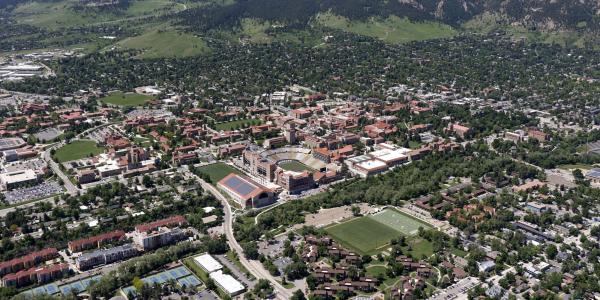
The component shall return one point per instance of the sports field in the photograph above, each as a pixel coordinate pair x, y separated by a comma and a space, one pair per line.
76, 150
126, 99
400, 221
371, 234
218, 171
294, 165
364, 235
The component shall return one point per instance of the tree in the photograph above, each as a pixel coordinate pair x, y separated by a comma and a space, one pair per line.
355, 210
296, 270
298, 295
551, 251
251, 250
263, 289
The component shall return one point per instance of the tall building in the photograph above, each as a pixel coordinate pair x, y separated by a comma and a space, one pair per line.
162, 236
290, 133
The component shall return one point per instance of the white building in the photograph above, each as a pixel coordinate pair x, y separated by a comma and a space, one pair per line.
227, 283
11, 180
208, 263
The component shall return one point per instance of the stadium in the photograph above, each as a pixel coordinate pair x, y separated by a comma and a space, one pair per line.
293, 158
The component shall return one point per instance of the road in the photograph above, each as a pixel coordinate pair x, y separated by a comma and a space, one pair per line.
253, 266
71, 188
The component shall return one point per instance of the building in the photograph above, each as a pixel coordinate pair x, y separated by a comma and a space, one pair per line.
11, 143
105, 256
538, 135
227, 283
84, 176
593, 175
536, 207
294, 182
157, 238
246, 192
459, 130
35, 275
369, 168
95, 241
274, 142
27, 261
258, 165
174, 221
16, 179
18, 154
208, 263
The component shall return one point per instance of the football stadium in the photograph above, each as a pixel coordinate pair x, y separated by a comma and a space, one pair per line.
294, 159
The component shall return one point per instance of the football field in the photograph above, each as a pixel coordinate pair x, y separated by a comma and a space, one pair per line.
371, 234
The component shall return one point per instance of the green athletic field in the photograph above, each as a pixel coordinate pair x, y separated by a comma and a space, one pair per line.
371, 234
126, 99
76, 150
218, 171
296, 166
400, 221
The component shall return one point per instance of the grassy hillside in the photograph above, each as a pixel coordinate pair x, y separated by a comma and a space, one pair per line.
65, 14
489, 22
392, 29
167, 43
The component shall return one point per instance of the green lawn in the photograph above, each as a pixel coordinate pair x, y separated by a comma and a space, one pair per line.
392, 29
374, 271
126, 99
363, 235
218, 171
165, 43
296, 166
237, 124
421, 248
76, 150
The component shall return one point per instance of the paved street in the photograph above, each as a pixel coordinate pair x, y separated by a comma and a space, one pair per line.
253, 266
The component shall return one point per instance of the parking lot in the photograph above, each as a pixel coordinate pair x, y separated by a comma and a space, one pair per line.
39, 191
458, 290
48, 134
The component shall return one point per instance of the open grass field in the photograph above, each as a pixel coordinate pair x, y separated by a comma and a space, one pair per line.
76, 150
400, 221
363, 235
296, 166
392, 29
125, 99
165, 43
370, 234
65, 14
237, 124
218, 171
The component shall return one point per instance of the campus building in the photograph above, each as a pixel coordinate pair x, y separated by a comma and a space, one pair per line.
16, 179
162, 236
246, 191
227, 283
27, 261
294, 182
35, 275
95, 241
105, 256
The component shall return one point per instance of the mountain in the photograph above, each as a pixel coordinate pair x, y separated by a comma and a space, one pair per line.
536, 14
136, 24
